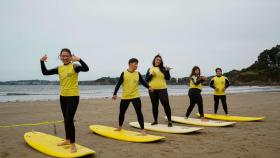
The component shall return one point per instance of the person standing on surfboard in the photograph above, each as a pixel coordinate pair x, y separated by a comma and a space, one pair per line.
129, 80
69, 91
195, 91
219, 83
157, 76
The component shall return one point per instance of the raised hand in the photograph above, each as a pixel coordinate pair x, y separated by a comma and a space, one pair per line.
75, 58
44, 58
168, 68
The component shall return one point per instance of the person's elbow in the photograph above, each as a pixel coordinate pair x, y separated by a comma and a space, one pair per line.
45, 73
85, 69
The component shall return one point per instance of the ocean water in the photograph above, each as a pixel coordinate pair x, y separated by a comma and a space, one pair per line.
14, 93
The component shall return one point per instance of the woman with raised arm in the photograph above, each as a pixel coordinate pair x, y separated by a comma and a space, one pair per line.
69, 91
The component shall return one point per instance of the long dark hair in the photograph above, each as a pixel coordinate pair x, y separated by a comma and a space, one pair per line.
161, 67
193, 71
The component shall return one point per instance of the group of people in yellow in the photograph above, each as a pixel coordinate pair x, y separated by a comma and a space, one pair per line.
155, 81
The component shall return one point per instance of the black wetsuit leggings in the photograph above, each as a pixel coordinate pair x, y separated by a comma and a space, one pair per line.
69, 106
195, 99
223, 100
137, 106
162, 96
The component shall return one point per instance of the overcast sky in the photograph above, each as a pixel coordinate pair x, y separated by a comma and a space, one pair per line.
105, 34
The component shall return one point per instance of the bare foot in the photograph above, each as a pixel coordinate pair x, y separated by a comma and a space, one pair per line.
204, 119
73, 148
143, 132
118, 129
66, 142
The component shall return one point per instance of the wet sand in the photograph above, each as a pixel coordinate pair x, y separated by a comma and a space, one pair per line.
250, 139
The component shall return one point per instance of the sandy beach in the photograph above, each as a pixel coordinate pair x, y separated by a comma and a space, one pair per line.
251, 139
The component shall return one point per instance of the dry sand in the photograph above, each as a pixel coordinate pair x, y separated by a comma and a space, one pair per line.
251, 139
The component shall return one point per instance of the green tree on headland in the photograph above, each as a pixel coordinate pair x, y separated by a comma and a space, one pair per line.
265, 71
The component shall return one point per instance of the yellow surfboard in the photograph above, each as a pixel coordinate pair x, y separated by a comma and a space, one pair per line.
123, 135
199, 122
47, 144
231, 118
165, 128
